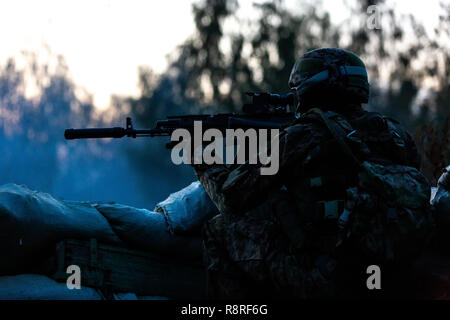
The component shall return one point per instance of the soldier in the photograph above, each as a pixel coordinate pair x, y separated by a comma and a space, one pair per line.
347, 195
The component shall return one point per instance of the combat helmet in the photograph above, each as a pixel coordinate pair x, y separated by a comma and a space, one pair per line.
328, 73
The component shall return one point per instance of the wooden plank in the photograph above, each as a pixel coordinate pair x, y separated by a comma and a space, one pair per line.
119, 269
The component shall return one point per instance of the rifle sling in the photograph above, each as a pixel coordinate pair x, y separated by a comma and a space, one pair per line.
334, 132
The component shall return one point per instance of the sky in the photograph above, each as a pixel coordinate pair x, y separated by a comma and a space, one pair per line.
104, 41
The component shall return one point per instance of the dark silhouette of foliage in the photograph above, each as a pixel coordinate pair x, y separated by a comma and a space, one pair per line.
32, 144
210, 72
401, 58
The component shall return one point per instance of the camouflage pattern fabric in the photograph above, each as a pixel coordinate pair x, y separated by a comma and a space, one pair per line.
236, 190
317, 60
273, 236
313, 62
250, 256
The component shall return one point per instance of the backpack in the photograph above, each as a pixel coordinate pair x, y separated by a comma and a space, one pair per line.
387, 214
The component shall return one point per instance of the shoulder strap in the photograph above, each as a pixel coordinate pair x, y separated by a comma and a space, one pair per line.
332, 127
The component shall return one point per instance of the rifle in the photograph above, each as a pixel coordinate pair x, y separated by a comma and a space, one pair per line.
267, 111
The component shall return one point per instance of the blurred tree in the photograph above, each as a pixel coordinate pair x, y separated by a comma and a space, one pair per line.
212, 70
32, 144
30, 125
227, 56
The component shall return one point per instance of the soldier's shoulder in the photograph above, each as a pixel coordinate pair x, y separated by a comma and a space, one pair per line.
306, 123
397, 127
304, 132
377, 121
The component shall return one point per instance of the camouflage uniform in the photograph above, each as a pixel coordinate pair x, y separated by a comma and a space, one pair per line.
312, 229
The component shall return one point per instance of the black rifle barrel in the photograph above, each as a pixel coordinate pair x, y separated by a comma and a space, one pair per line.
116, 132
94, 133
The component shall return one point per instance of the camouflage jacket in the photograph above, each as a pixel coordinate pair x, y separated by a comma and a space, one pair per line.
308, 230
239, 189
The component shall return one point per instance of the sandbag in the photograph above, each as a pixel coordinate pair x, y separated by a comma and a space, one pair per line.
187, 209
440, 201
132, 296
32, 222
147, 230
441, 196
39, 287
